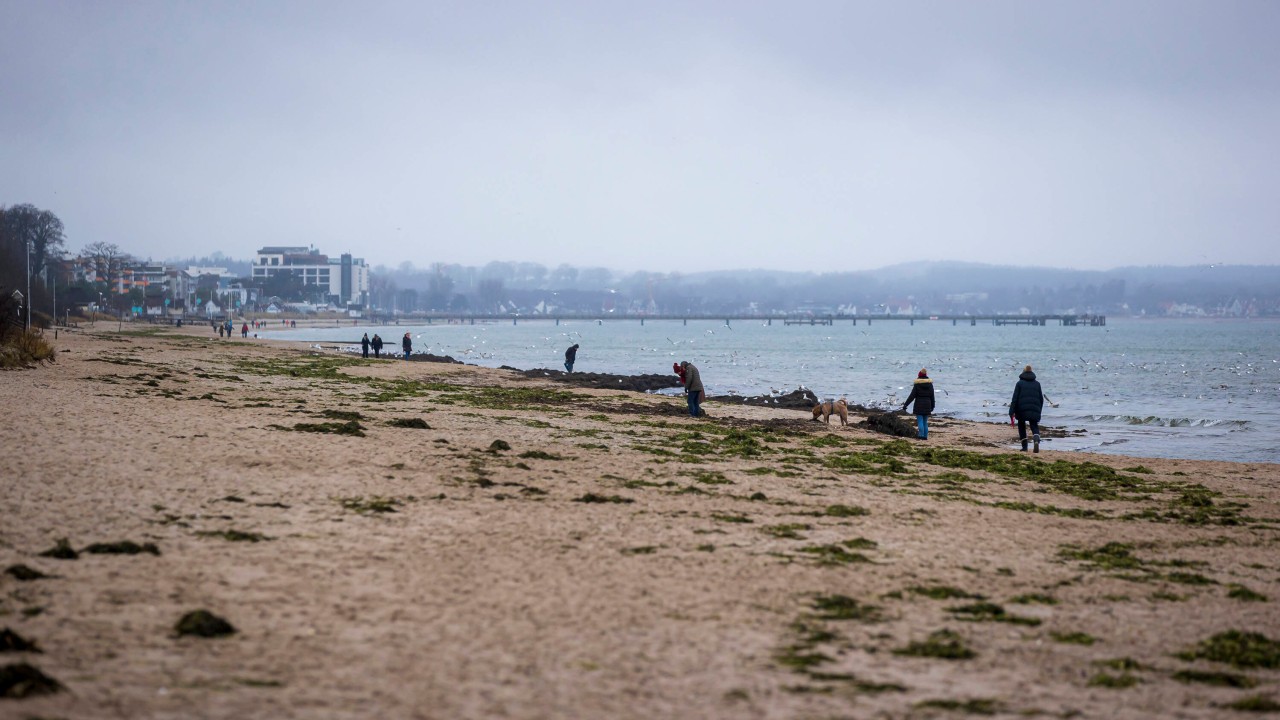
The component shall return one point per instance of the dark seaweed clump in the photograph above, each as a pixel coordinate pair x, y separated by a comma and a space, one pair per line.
61, 551
11, 641
414, 423
21, 680
123, 547
594, 498
24, 573
203, 623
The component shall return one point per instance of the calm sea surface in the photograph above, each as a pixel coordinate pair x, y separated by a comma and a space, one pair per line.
1156, 388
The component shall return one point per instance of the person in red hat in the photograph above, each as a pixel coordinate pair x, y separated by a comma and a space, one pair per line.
922, 394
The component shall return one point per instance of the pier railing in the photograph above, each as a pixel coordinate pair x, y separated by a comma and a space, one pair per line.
1038, 319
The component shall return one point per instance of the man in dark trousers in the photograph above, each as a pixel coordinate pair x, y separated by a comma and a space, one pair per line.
922, 394
1027, 402
376, 344
570, 356
364, 344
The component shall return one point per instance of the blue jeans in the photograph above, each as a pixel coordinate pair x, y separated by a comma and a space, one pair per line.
922, 425
568, 367
695, 402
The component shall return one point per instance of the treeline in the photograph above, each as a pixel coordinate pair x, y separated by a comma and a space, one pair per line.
924, 287
29, 239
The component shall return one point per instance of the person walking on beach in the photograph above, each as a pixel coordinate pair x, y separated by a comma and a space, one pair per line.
407, 344
376, 344
364, 345
692, 387
570, 356
1028, 401
922, 394
244, 330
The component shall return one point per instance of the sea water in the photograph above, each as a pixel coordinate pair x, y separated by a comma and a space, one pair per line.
1197, 389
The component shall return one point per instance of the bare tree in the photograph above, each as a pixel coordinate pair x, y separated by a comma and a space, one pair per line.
108, 262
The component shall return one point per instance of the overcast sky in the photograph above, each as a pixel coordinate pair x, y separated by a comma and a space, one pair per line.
652, 135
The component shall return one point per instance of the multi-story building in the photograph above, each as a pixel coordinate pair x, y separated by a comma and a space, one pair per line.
344, 280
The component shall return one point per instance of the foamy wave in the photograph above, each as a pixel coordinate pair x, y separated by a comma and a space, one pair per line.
1157, 421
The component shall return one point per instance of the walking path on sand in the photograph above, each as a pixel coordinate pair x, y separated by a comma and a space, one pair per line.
425, 540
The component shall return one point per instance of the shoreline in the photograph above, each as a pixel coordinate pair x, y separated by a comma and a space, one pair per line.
619, 559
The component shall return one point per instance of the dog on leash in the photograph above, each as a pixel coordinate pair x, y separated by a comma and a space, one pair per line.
826, 409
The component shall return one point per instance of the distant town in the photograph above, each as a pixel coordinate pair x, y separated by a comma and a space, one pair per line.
302, 280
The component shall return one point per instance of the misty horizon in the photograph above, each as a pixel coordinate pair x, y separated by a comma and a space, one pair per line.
823, 136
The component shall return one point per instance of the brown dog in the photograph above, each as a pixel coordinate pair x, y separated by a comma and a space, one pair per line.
828, 408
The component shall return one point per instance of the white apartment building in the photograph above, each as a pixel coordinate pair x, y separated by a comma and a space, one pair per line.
344, 280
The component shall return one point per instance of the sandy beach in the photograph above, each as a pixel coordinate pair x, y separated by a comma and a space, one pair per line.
425, 540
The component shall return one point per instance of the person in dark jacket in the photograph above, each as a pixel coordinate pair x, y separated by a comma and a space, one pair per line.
407, 345
570, 356
922, 394
376, 344
1027, 402
364, 344
692, 387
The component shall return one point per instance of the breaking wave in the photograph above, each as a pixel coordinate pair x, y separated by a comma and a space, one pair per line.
1157, 421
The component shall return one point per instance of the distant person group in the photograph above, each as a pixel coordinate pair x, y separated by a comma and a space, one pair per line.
1024, 409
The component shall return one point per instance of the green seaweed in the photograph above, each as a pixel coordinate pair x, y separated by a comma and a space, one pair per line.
989, 612
1244, 594
846, 511
944, 592
1255, 703
942, 644
974, 706
1034, 598
372, 504
1073, 638
787, 531
842, 607
833, 554
1237, 648
1221, 679
234, 535
350, 427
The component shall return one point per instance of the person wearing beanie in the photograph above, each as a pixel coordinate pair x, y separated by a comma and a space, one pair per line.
922, 394
570, 357
1027, 402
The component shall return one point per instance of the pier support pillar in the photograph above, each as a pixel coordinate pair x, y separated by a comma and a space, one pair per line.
913, 321
557, 322
513, 321
686, 321
641, 322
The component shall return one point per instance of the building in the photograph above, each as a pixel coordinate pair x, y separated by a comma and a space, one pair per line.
343, 280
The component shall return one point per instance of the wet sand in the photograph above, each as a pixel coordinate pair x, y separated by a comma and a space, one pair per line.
620, 560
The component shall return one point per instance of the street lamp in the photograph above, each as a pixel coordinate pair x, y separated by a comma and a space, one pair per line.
28, 283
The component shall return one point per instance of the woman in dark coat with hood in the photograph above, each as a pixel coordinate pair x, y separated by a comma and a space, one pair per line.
1027, 402
922, 394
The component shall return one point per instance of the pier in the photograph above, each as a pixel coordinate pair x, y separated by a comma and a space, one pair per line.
1030, 319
